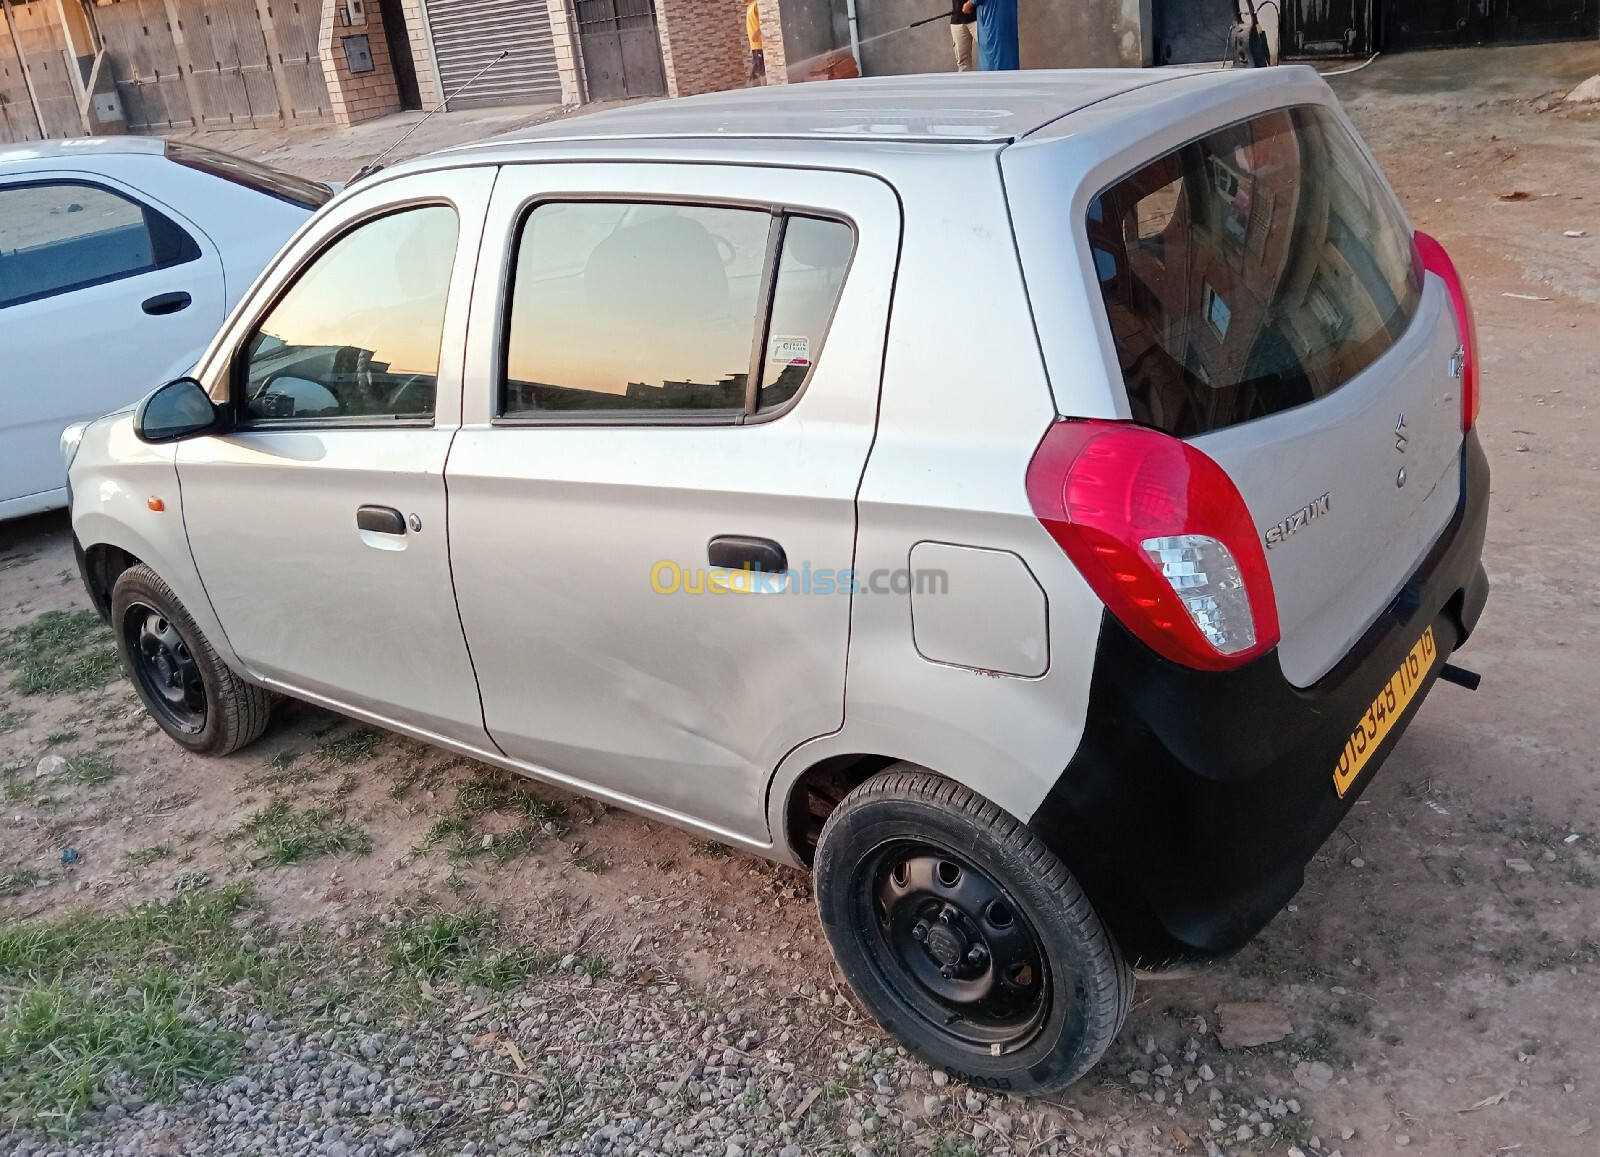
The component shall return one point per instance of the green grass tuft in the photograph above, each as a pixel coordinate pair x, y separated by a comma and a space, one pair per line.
92, 767
56, 738
460, 946
287, 836
87, 995
17, 878
352, 748
60, 651
144, 857
499, 794
11, 720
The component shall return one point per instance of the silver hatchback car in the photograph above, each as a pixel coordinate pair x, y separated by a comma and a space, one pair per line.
1036, 502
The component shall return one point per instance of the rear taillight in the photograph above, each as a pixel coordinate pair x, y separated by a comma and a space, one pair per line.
1436, 260
1162, 535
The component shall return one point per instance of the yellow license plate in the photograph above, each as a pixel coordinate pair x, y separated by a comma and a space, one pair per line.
1385, 712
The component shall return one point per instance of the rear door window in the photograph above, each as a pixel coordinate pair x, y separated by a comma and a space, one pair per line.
59, 236
653, 310
1253, 270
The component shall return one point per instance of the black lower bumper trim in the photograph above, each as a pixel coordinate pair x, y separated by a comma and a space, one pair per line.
1196, 799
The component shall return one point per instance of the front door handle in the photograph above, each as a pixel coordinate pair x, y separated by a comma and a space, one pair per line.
739, 551
164, 303
380, 520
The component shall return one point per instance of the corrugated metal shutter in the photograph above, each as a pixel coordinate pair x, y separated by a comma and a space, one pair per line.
468, 34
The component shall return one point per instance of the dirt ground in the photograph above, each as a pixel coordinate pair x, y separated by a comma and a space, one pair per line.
1443, 959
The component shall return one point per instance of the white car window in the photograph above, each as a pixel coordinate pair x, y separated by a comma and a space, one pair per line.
357, 335
59, 236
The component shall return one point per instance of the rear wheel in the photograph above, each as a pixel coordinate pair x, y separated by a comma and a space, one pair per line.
189, 691
965, 936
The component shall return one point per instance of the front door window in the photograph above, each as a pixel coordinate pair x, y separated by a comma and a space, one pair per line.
356, 338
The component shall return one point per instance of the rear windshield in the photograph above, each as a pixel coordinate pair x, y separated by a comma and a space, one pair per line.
1256, 269
251, 174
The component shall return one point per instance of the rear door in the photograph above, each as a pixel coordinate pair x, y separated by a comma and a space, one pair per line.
672, 375
84, 256
1264, 302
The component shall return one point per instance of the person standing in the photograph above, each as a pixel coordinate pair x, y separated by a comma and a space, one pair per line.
963, 23
997, 34
752, 29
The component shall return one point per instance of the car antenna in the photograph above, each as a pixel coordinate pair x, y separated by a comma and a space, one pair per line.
375, 164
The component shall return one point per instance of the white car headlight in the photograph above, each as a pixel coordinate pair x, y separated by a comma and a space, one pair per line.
71, 439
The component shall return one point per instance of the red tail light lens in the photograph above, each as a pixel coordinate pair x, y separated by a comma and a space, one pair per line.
1162, 535
1435, 260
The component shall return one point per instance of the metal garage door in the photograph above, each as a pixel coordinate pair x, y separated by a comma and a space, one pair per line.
1326, 28
235, 64
1452, 23
17, 120
468, 34
32, 30
621, 49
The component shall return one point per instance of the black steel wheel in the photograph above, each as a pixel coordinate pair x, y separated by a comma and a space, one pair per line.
965, 936
187, 688
950, 940
164, 669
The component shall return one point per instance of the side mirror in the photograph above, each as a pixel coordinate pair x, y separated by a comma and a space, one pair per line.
178, 410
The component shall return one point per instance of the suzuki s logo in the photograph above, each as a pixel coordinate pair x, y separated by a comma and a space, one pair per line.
1299, 519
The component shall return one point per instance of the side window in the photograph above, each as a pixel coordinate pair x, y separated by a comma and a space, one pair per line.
639, 309
357, 335
59, 236
811, 271
634, 307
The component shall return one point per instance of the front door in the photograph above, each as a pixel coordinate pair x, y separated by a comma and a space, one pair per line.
318, 523
661, 407
84, 257
621, 49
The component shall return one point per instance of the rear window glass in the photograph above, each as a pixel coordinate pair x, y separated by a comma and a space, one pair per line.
251, 174
1256, 269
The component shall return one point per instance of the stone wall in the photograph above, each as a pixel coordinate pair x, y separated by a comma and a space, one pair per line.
703, 45
357, 97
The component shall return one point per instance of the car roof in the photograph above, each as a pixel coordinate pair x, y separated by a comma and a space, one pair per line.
968, 108
81, 148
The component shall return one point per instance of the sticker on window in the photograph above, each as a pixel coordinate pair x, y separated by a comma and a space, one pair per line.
790, 351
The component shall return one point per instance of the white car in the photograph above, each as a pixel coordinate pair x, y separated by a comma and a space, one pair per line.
119, 258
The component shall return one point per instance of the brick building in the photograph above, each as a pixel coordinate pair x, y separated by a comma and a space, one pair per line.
74, 67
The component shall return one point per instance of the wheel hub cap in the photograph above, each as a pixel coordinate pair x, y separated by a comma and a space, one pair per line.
956, 946
164, 668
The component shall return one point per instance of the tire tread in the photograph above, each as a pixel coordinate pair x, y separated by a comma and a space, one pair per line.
1107, 980
243, 709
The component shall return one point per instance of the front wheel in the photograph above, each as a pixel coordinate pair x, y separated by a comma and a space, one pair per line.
965, 936
189, 691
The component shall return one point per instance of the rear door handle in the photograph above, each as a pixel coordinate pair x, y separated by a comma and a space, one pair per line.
165, 303
738, 551
380, 520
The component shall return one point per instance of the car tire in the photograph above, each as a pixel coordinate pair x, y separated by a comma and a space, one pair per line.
965, 936
188, 690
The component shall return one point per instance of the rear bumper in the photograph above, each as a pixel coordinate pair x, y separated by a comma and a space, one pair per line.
1196, 799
